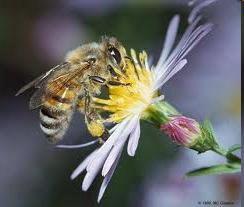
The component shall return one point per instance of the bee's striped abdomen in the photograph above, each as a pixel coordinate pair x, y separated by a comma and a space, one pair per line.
56, 113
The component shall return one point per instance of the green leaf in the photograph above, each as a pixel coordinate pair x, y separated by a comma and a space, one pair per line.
215, 169
230, 156
234, 148
234, 165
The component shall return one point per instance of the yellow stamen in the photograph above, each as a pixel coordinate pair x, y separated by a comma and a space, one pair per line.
135, 95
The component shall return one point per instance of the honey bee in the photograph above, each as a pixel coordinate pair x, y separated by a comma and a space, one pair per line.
70, 86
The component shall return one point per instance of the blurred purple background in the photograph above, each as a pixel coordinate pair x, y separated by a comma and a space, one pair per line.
35, 35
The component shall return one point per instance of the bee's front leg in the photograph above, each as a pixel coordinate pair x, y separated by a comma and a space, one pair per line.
117, 83
97, 79
103, 81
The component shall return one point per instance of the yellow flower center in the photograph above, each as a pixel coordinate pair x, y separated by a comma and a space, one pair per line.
134, 95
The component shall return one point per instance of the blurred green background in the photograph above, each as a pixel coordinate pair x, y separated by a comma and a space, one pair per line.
35, 35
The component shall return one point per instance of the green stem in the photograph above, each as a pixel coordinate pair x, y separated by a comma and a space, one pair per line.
233, 158
229, 156
219, 150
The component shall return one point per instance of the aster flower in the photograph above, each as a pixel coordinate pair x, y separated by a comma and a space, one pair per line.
138, 100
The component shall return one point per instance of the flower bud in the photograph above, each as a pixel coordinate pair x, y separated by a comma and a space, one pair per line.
182, 130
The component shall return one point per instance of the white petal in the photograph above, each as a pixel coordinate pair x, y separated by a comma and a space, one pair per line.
133, 140
108, 177
95, 165
170, 39
113, 129
190, 3
102, 153
113, 155
194, 38
82, 166
162, 68
119, 145
181, 43
195, 11
90, 176
205, 30
175, 63
176, 69
78, 145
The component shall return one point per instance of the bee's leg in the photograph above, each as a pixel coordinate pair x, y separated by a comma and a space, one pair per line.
96, 127
87, 103
94, 121
97, 79
112, 71
101, 80
117, 83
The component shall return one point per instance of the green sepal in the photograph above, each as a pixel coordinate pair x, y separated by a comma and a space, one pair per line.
233, 148
159, 113
206, 141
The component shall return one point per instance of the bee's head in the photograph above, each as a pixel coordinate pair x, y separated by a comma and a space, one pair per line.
115, 51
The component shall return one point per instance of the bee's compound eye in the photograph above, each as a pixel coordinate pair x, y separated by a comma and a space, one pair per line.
115, 54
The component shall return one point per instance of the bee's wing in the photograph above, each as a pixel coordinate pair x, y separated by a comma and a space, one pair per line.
55, 85
36, 99
39, 80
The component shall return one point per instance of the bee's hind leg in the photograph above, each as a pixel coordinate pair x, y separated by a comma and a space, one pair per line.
96, 127
94, 121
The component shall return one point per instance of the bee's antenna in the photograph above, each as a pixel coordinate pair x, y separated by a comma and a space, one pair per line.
77, 146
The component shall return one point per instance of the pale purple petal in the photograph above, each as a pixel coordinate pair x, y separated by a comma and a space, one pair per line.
96, 163
194, 38
196, 10
175, 62
170, 38
82, 166
90, 176
163, 68
181, 43
78, 145
206, 29
134, 139
106, 147
108, 177
176, 69
119, 145
113, 154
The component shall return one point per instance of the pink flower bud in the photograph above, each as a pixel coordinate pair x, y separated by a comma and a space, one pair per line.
182, 130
